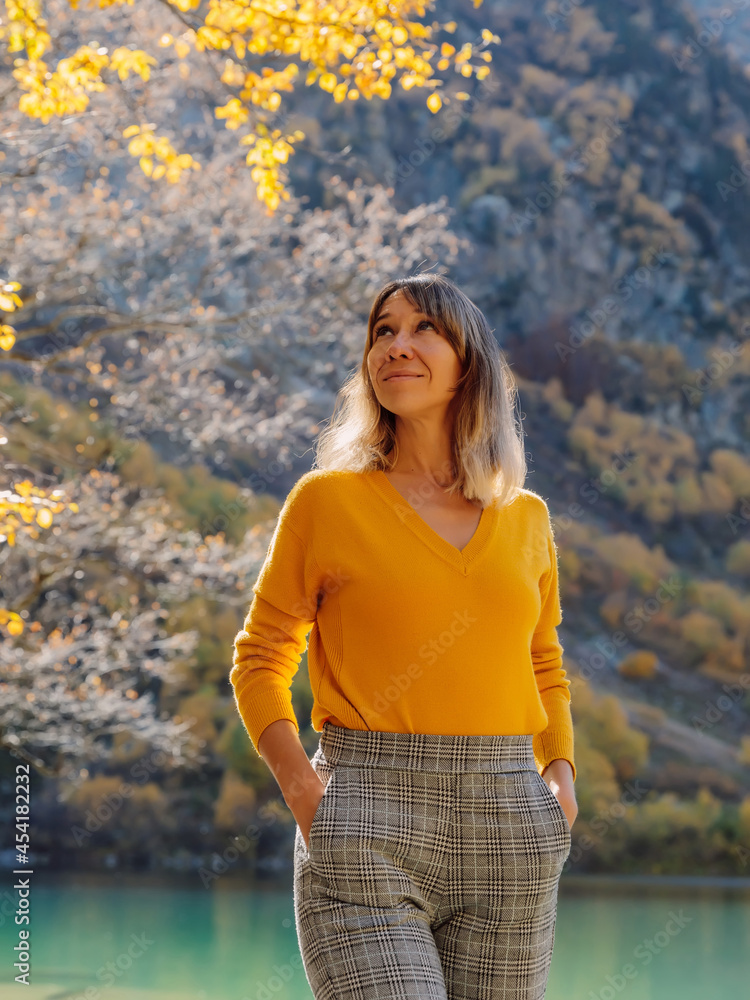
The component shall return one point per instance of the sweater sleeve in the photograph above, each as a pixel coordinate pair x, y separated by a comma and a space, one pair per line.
547, 657
269, 647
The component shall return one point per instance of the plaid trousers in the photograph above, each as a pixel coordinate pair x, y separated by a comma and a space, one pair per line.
432, 870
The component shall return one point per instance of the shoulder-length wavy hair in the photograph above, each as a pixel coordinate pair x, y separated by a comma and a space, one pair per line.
489, 463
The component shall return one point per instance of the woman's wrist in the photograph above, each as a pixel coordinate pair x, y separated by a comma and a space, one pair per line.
559, 776
560, 768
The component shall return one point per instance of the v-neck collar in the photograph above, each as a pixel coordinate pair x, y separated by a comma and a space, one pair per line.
463, 558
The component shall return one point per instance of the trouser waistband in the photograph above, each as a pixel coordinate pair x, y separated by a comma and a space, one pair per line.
426, 751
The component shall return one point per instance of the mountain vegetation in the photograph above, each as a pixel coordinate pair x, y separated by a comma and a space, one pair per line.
178, 348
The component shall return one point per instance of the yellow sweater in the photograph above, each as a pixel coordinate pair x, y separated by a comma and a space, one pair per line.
409, 633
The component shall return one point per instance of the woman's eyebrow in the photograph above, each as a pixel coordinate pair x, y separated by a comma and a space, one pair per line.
383, 315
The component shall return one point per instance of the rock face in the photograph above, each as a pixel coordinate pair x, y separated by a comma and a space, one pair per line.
487, 217
607, 172
599, 181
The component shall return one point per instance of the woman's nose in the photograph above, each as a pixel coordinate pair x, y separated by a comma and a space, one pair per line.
399, 344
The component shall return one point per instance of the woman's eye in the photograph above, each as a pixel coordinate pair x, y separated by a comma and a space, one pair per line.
424, 322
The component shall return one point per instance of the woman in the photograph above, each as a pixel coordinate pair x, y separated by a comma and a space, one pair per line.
433, 821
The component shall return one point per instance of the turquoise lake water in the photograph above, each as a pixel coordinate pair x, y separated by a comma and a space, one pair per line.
238, 942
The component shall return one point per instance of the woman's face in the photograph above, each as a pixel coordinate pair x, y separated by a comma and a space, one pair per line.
407, 340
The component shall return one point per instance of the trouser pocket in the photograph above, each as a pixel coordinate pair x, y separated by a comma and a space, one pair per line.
554, 804
327, 774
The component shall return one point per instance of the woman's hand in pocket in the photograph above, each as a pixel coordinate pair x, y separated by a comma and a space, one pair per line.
559, 776
305, 809
280, 747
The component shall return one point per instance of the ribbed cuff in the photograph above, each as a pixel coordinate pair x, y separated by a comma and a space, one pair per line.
262, 708
551, 746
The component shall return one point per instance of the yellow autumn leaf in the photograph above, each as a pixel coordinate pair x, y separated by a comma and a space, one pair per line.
383, 29
371, 47
44, 517
7, 337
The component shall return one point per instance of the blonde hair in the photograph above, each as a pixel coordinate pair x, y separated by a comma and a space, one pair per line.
489, 463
